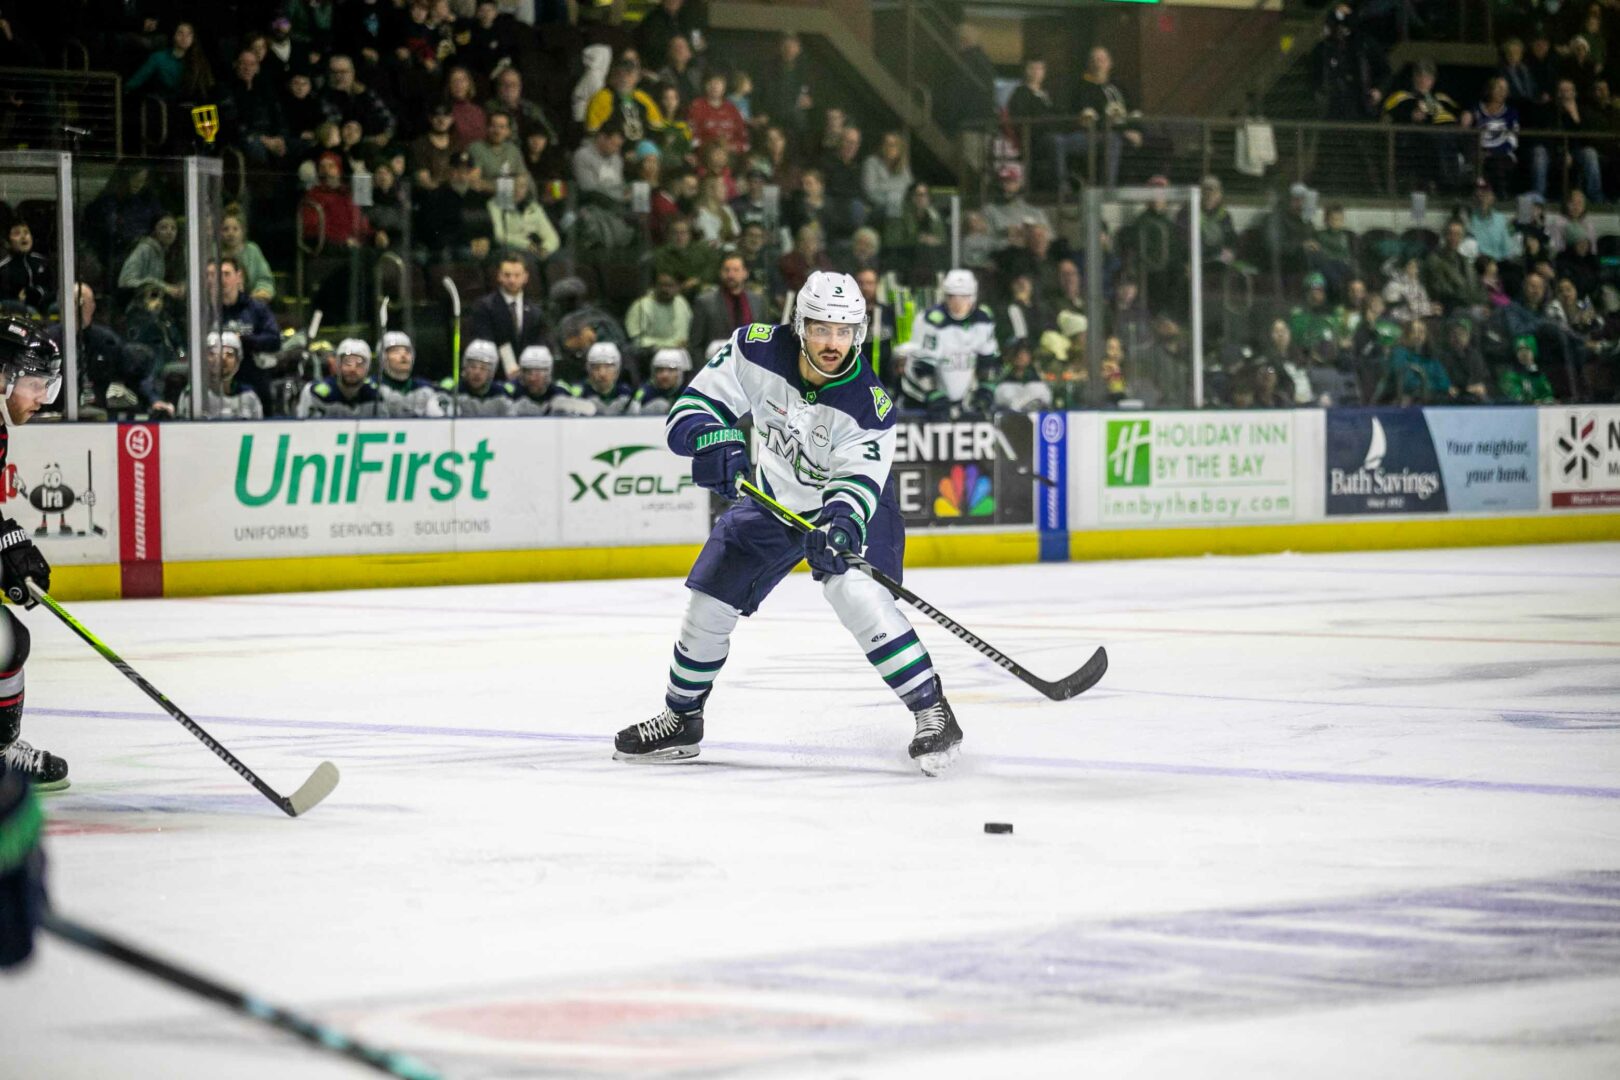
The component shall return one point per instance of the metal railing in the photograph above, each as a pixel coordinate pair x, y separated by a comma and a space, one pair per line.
42, 109
1374, 159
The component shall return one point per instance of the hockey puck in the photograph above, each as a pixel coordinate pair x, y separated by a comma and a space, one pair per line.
998, 826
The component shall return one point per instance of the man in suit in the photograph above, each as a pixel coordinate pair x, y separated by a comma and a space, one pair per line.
506, 316
718, 312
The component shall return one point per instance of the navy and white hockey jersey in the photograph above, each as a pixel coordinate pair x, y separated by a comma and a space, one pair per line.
817, 444
949, 355
324, 400
414, 396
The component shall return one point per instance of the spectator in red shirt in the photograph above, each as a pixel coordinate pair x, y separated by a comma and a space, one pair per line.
673, 199
339, 221
714, 119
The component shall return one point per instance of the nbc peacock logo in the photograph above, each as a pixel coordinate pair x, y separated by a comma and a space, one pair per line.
964, 493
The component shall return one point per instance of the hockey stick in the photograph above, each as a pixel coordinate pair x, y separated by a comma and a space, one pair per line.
311, 1031
317, 787
90, 489
455, 335
1077, 683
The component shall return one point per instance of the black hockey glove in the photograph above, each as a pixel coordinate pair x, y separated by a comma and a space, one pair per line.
19, 560
720, 457
836, 534
22, 867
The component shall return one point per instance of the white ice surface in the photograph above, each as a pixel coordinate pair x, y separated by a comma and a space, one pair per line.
1341, 815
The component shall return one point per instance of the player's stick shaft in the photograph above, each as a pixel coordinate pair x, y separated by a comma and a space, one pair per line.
312, 791
1078, 682
455, 342
311, 1031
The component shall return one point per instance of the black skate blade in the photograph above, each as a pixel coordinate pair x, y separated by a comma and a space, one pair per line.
668, 753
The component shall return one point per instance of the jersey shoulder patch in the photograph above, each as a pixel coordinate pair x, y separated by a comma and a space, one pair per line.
861, 397
935, 316
322, 390
774, 348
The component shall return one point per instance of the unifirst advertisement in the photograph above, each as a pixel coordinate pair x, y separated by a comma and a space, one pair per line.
1197, 469
319, 487
1580, 453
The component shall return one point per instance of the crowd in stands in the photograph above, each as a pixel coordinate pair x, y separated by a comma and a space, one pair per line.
614, 200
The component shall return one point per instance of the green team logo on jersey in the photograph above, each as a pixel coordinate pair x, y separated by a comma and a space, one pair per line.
760, 331
881, 402
1129, 453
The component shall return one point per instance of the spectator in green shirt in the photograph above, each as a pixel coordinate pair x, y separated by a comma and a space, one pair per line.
691, 262
1523, 382
233, 241
1418, 377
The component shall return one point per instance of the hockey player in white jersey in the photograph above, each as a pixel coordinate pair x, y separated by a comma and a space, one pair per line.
481, 392
222, 398
404, 392
660, 392
955, 344
349, 393
605, 385
827, 429
538, 394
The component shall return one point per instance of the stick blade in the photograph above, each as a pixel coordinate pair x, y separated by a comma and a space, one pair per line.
317, 787
1082, 680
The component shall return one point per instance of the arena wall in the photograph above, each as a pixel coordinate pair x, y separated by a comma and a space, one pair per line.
201, 509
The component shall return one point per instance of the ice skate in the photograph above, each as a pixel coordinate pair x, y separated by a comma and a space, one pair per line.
669, 736
938, 741
46, 771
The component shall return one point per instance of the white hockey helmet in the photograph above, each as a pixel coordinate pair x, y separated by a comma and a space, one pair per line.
603, 353
831, 297
672, 358
961, 282
396, 339
482, 351
536, 356
353, 346
229, 339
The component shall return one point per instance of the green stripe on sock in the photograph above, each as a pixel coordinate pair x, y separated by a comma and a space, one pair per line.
908, 672
901, 659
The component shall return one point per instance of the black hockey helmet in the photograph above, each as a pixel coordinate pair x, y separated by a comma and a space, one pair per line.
25, 351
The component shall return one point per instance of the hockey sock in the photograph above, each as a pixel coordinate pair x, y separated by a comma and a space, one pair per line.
700, 651
869, 613
11, 680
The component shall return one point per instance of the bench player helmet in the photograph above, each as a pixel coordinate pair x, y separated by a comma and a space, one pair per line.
354, 346
834, 298
395, 339
26, 351
961, 283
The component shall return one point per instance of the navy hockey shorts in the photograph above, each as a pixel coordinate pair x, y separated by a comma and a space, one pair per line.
749, 551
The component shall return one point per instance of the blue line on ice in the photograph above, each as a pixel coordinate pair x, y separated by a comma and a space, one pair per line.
1307, 776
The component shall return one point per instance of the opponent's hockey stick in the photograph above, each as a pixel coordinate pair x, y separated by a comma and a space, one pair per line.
311, 1031
317, 787
1078, 683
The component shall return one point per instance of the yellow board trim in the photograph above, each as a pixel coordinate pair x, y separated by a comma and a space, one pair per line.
1358, 535
99, 582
